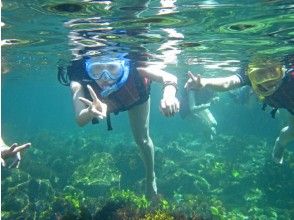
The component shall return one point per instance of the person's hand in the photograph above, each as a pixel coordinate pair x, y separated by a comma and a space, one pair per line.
13, 151
96, 108
169, 104
194, 82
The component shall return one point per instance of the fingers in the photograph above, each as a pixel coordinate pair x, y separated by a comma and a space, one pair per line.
8, 151
187, 84
97, 108
98, 114
163, 108
85, 101
92, 93
96, 100
5, 150
197, 78
177, 106
194, 81
169, 107
191, 79
14, 150
12, 147
191, 76
103, 109
21, 147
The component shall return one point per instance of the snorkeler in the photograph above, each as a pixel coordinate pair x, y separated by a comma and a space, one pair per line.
272, 82
196, 103
102, 85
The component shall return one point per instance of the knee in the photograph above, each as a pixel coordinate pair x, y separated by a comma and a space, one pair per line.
214, 123
288, 130
144, 143
286, 136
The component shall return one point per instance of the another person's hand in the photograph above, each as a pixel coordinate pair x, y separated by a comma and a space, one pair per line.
13, 151
169, 104
194, 82
97, 108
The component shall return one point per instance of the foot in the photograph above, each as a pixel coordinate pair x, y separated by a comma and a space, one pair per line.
151, 189
278, 153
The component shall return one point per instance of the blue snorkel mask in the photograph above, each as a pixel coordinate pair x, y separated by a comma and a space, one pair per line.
109, 73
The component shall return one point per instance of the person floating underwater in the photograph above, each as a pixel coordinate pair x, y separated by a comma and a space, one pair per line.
196, 103
107, 84
271, 81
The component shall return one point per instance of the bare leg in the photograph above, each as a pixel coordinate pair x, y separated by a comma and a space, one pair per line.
285, 137
139, 120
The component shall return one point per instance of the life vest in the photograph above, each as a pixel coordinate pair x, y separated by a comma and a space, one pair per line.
284, 96
134, 91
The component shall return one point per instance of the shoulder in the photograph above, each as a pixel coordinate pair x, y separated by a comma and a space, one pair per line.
75, 86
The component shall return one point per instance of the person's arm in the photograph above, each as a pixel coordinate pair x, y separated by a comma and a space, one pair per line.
169, 103
86, 110
216, 84
12, 151
156, 73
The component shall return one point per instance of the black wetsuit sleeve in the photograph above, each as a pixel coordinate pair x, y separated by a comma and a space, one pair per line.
245, 81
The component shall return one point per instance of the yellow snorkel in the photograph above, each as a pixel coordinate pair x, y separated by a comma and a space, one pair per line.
265, 77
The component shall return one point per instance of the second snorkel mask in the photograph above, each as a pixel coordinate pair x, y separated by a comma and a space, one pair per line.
265, 77
109, 72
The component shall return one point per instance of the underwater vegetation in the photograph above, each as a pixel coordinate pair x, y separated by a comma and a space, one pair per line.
90, 177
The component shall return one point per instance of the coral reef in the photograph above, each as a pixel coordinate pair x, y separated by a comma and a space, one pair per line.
88, 177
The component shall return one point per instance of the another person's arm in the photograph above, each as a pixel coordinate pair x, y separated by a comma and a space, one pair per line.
86, 110
216, 84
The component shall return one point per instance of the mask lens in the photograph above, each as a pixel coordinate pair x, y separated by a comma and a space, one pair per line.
114, 70
109, 71
96, 71
267, 88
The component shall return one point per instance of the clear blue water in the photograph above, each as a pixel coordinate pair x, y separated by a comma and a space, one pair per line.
208, 37
217, 35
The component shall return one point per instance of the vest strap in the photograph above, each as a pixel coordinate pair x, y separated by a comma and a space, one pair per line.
273, 112
109, 127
